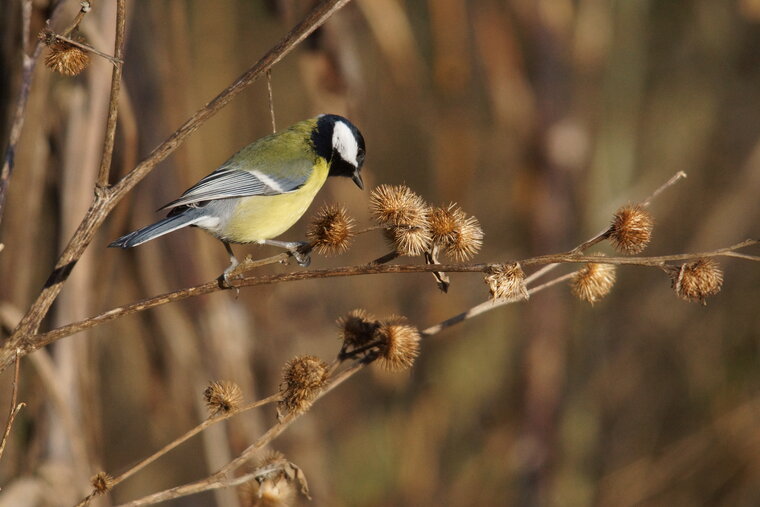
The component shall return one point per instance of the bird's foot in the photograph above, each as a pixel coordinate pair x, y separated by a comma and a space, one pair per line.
301, 253
226, 277
300, 250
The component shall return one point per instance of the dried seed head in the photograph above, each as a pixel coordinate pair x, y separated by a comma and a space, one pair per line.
697, 280
631, 229
63, 57
357, 328
331, 230
222, 396
507, 282
399, 344
302, 379
274, 483
593, 281
398, 205
409, 240
451, 229
101, 483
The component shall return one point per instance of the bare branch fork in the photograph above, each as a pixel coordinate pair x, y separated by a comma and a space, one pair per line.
106, 197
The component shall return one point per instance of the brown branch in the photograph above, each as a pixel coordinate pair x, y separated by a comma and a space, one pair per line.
487, 306
43, 339
271, 100
113, 99
24, 335
115, 60
15, 408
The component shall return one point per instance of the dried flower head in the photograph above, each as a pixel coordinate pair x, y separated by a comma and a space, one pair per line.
594, 281
451, 229
302, 380
357, 328
101, 483
405, 214
507, 282
274, 483
409, 240
695, 281
222, 396
631, 229
331, 230
399, 344
398, 205
64, 57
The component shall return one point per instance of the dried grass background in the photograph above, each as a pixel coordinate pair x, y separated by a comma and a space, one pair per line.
538, 117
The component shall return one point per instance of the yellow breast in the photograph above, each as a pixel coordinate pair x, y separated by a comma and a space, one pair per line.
265, 217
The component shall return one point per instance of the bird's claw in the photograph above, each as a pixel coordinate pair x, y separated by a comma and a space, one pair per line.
301, 253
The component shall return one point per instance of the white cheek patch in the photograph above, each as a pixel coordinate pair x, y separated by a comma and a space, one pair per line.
344, 142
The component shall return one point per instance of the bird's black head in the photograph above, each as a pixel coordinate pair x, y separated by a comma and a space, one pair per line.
341, 144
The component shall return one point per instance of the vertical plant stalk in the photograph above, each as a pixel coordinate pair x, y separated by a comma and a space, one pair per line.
23, 336
15, 408
113, 100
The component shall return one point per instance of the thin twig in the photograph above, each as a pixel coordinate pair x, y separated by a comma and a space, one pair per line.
15, 408
672, 181
85, 7
489, 305
113, 100
271, 100
115, 60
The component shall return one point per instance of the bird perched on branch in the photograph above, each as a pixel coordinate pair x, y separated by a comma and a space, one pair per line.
263, 189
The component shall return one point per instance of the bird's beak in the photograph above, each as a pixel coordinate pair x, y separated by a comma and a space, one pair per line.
358, 180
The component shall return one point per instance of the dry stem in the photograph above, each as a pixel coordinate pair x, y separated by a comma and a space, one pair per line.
40, 340
15, 408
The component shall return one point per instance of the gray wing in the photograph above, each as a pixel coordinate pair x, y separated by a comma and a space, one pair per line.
225, 183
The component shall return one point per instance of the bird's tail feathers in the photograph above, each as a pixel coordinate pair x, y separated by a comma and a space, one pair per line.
160, 228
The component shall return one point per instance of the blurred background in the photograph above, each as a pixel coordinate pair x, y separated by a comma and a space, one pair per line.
539, 117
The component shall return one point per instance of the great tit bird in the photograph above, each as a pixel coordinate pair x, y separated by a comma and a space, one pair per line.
263, 189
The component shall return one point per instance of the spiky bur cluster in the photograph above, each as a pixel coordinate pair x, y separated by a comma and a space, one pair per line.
393, 342
459, 235
695, 281
222, 396
594, 281
101, 483
631, 229
275, 483
64, 57
506, 282
413, 227
331, 230
302, 380
357, 329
